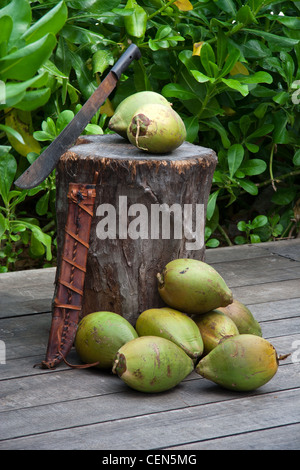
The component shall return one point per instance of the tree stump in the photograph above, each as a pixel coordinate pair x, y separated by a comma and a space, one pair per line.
149, 209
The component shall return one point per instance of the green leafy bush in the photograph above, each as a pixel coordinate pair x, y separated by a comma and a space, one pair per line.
230, 68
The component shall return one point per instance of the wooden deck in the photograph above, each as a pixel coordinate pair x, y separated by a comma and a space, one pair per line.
90, 409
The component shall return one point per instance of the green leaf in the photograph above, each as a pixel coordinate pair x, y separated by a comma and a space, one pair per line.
79, 35
211, 204
226, 5
95, 7
207, 57
4, 149
84, 76
284, 196
259, 221
231, 60
15, 91
288, 21
249, 187
8, 168
235, 158
282, 98
245, 123
6, 25
262, 131
253, 148
37, 249
163, 31
296, 158
245, 15
49, 126
63, 120
101, 60
40, 236
255, 49
258, 77
222, 44
153, 45
34, 99
254, 238
280, 133
3, 225
93, 129
25, 62
277, 43
189, 60
51, 22
242, 226
136, 23
42, 136
13, 132
177, 91
239, 240
20, 12
215, 124
236, 85
253, 167
41, 206
288, 66
192, 128
200, 77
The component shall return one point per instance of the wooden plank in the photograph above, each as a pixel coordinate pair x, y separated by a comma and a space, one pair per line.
288, 345
268, 292
24, 366
233, 253
11, 307
25, 336
26, 278
28, 336
259, 271
163, 429
89, 397
288, 248
86, 397
32, 294
274, 310
285, 438
283, 327
68, 408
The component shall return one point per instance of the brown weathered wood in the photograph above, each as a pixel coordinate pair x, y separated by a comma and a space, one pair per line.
121, 271
86, 409
145, 433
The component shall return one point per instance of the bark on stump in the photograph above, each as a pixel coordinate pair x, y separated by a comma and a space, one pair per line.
121, 271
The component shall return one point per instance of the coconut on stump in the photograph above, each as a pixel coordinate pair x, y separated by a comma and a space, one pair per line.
149, 209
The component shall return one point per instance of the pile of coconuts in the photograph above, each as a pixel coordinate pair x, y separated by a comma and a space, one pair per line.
149, 122
201, 328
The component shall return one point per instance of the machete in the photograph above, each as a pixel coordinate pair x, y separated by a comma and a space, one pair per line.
47, 161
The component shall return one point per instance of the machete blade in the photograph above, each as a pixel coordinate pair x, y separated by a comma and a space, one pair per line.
47, 161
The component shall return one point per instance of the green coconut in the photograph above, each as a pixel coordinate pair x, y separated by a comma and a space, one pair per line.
121, 119
152, 364
214, 326
173, 325
242, 363
156, 128
242, 317
100, 335
192, 286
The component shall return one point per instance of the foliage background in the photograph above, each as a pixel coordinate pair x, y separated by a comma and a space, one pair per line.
230, 68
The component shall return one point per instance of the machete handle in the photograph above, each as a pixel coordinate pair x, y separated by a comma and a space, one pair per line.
132, 53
